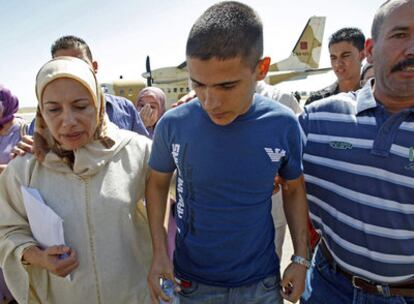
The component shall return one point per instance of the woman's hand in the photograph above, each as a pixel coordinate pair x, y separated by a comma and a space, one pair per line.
148, 116
59, 260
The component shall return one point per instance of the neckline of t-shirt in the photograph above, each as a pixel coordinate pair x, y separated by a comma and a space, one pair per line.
239, 118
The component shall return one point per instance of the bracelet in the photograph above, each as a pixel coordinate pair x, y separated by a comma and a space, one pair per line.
301, 261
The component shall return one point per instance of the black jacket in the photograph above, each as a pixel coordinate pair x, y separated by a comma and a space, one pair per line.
333, 89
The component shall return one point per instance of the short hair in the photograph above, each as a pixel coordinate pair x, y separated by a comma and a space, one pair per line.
71, 42
226, 30
352, 35
383, 11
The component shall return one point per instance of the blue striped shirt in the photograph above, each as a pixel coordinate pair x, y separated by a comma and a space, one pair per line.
359, 171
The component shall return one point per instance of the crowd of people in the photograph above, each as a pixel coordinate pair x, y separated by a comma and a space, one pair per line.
200, 195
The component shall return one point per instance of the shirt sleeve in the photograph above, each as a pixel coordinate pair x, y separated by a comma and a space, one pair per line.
292, 166
30, 130
161, 158
136, 122
290, 101
122, 112
16, 236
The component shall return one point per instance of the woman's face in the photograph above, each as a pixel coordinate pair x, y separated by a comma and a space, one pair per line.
69, 113
153, 106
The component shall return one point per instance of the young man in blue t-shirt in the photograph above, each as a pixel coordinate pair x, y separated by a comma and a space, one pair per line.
227, 146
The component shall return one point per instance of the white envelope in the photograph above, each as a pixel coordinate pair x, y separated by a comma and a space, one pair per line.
46, 225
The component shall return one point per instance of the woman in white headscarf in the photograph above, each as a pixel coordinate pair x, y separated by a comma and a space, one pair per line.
92, 175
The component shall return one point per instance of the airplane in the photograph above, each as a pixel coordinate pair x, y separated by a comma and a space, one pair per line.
126, 88
302, 62
305, 56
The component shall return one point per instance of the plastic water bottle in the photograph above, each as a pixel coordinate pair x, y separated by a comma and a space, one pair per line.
167, 287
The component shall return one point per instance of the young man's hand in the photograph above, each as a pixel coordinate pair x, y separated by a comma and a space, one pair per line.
160, 268
296, 211
293, 282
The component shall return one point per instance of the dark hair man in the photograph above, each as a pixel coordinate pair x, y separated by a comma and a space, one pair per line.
359, 168
227, 145
64, 44
346, 50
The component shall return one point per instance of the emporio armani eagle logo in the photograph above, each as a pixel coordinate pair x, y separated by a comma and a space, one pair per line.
275, 155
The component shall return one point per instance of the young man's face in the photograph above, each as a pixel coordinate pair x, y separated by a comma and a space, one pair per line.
225, 88
346, 60
393, 54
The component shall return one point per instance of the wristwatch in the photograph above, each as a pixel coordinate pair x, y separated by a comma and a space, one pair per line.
300, 260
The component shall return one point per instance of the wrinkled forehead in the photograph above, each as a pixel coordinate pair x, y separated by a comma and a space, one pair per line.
397, 15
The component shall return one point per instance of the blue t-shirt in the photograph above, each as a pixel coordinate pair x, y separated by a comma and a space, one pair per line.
224, 187
121, 112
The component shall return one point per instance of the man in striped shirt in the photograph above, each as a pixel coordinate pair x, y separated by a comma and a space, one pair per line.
359, 171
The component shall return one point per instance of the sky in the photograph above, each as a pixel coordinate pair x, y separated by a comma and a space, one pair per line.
122, 33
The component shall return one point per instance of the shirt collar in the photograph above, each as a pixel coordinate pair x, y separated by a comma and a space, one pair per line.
366, 100
365, 97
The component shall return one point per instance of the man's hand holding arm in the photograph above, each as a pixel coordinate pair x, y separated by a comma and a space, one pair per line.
186, 98
296, 210
25, 145
156, 199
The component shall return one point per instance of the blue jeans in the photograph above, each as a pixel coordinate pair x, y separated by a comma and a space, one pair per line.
265, 291
326, 286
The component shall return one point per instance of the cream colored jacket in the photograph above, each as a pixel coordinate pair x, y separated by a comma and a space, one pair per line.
98, 202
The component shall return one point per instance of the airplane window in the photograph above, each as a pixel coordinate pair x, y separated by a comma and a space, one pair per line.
175, 90
181, 90
130, 93
168, 90
122, 92
188, 89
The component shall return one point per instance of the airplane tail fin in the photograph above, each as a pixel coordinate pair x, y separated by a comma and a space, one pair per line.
307, 51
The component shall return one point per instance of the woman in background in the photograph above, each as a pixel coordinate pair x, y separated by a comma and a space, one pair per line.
11, 127
151, 106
